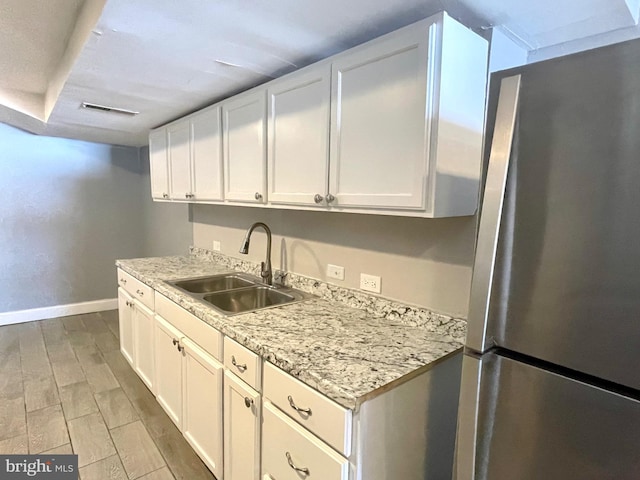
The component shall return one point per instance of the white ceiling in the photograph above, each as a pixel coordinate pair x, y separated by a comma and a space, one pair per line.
166, 58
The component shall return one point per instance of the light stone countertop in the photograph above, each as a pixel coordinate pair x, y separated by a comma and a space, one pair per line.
348, 354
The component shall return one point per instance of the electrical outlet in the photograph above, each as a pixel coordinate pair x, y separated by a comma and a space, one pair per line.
335, 271
370, 283
216, 245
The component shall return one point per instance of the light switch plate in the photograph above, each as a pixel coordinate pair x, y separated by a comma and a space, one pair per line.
216, 245
335, 271
370, 283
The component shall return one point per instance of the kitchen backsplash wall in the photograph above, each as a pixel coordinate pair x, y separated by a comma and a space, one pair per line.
426, 262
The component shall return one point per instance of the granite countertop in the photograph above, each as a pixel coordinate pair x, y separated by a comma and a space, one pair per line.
348, 354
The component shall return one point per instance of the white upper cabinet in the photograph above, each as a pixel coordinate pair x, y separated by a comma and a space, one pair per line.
393, 126
378, 136
244, 131
158, 164
407, 115
298, 137
206, 155
178, 139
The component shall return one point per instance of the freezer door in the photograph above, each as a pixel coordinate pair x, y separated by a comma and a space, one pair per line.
531, 424
566, 275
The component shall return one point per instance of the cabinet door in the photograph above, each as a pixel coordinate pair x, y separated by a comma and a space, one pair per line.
241, 430
244, 125
206, 155
169, 369
178, 139
158, 164
125, 319
379, 141
287, 446
202, 411
298, 138
143, 333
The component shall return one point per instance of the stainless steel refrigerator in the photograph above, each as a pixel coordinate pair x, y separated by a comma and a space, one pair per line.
551, 372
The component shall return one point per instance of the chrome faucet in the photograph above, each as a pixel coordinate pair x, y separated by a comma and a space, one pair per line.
265, 267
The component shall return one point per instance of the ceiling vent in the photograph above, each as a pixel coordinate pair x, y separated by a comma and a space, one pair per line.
104, 108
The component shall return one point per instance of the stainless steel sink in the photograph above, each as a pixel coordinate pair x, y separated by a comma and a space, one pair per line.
234, 293
215, 283
245, 299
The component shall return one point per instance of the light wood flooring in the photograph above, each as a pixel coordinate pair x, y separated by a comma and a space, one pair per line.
65, 388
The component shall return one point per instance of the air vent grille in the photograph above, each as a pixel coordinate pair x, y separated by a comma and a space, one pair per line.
104, 108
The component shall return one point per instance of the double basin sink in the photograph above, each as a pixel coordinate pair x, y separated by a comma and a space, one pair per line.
234, 293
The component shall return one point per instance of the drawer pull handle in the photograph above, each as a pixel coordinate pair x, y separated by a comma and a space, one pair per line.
140, 292
180, 348
123, 280
306, 411
175, 342
248, 402
240, 367
304, 471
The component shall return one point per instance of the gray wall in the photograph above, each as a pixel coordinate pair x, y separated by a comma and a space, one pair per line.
68, 210
421, 261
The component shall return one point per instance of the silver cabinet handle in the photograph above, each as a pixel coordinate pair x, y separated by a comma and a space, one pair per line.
330, 198
318, 198
248, 402
306, 411
165, 195
241, 367
304, 471
258, 196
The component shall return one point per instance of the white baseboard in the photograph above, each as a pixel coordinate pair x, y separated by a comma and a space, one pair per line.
20, 316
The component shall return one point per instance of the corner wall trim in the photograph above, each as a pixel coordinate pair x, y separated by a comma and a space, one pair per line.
20, 316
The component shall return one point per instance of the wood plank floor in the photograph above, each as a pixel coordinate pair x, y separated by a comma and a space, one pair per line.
65, 388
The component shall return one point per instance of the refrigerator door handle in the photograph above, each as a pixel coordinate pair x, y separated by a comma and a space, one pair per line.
491, 213
466, 437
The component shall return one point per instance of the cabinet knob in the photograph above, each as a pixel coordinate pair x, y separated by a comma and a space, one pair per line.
165, 195
123, 280
140, 292
248, 402
258, 196
318, 198
180, 348
304, 471
330, 198
175, 342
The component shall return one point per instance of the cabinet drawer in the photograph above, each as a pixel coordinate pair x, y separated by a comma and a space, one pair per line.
287, 446
207, 337
138, 290
243, 362
322, 416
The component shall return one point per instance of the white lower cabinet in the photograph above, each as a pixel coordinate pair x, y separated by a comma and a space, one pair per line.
125, 316
242, 411
202, 405
289, 452
143, 334
189, 388
169, 369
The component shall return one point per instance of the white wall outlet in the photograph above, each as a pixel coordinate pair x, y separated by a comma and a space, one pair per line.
335, 271
216, 245
370, 283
